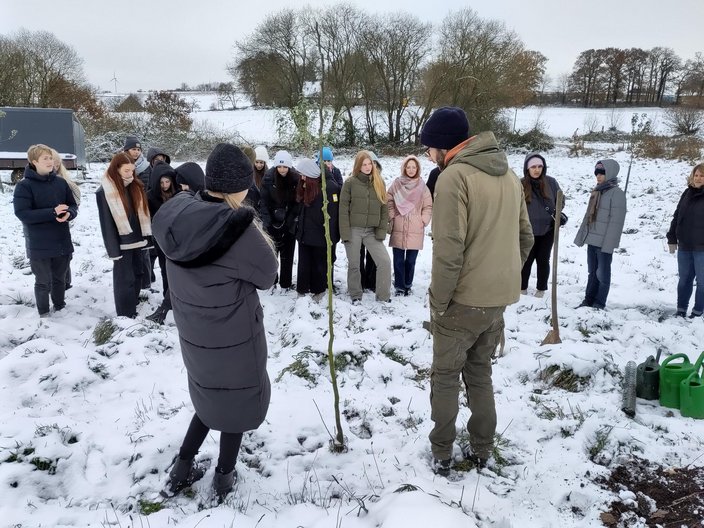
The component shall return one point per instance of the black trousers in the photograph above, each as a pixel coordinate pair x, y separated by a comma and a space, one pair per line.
367, 269
540, 254
127, 276
49, 280
285, 247
195, 436
312, 269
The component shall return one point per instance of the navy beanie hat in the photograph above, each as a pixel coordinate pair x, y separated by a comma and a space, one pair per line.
446, 128
131, 142
228, 170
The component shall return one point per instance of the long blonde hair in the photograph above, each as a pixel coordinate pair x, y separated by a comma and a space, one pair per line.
63, 173
234, 203
377, 180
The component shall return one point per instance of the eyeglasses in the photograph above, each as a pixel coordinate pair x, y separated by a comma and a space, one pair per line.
535, 167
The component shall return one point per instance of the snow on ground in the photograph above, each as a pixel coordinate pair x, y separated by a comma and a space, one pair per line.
259, 125
88, 431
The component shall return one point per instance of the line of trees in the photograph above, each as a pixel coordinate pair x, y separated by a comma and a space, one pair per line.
39, 70
396, 66
633, 76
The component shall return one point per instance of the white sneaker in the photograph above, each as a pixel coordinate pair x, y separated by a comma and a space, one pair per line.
539, 294
524, 292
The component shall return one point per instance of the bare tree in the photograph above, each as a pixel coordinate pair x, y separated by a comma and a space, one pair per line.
337, 31
34, 65
278, 57
395, 46
488, 66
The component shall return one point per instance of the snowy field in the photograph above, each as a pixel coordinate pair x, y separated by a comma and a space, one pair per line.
259, 126
88, 431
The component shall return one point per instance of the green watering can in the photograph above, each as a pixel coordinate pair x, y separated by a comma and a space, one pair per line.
648, 378
671, 375
692, 392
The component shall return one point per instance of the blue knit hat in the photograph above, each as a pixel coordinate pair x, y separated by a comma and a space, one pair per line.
446, 128
327, 154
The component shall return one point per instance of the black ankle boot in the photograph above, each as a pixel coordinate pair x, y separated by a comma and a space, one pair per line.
158, 316
184, 473
223, 483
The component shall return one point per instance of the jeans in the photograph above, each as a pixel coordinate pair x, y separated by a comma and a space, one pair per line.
690, 265
49, 279
599, 280
540, 253
404, 267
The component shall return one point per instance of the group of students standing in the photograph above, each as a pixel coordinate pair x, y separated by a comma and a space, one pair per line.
214, 256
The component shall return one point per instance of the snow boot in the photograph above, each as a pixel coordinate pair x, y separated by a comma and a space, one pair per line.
158, 316
223, 483
184, 473
469, 454
441, 467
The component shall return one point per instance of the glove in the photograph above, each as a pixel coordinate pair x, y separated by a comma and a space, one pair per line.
672, 247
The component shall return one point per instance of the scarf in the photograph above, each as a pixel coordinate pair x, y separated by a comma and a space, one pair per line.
594, 198
117, 210
140, 165
407, 193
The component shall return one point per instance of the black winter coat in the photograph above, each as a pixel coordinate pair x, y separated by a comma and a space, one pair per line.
217, 258
687, 226
154, 197
114, 242
310, 227
278, 206
35, 200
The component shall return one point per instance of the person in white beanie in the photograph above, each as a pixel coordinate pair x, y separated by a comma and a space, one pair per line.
279, 210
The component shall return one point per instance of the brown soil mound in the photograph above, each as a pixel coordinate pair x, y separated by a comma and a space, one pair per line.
664, 496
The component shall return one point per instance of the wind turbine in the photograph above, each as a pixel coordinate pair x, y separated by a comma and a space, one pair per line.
114, 79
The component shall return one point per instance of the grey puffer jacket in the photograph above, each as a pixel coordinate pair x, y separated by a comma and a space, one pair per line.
217, 258
605, 231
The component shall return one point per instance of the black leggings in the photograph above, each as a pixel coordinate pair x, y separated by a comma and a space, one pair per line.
540, 253
195, 436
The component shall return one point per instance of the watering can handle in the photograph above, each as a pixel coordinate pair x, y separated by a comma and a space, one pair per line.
675, 356
699, 362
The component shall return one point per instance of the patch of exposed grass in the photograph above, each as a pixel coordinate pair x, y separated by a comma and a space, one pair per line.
147, 507
299, 368
103, 331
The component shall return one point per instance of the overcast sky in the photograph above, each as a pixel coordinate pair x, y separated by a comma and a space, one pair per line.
158, 44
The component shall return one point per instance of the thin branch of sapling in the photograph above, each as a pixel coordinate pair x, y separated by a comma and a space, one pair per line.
323, 420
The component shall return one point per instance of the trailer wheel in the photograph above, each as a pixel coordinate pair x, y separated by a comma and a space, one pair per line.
16, 175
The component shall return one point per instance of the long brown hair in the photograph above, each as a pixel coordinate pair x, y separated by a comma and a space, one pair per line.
307, 190
136, 188
528, 188
377, 181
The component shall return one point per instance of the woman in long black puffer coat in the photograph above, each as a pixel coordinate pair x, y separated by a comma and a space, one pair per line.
217, 259
310, 227
279, 211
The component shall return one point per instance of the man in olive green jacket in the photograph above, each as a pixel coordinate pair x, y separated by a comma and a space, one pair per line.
481, 237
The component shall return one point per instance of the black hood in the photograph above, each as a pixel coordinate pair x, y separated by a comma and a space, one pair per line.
159, 171
196, 229
192, 175
153, 152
